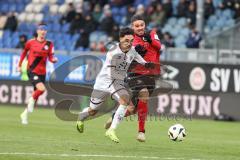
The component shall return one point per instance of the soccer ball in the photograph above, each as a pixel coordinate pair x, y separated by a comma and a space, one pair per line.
177, 132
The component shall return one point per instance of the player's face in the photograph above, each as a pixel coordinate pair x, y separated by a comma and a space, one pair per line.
138, 27
42, 33
126, 42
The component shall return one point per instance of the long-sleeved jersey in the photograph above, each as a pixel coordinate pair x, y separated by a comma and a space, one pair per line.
116, 66
152, 54
38, 53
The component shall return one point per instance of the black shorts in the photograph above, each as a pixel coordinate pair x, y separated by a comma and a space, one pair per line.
137, 82
35, 78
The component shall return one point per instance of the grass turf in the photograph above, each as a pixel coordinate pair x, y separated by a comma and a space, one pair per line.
48, 138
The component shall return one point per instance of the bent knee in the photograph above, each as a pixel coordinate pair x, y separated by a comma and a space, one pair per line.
41, 87
125, 100
131, 109
92, 112
144, 93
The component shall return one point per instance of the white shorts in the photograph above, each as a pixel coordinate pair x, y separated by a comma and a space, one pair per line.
116, 90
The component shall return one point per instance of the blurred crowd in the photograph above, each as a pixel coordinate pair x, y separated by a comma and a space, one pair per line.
97, 15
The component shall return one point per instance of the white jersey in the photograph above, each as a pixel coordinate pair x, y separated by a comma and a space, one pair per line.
116, 66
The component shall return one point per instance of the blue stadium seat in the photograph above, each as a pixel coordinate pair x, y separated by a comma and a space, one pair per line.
46, 19
12, 8
182, 21
65, 27
175, 31
7, 34
227, 13
45, 9
4, 8
67, 37
115, 11
75, 37
221, 22
15, 35
172, 21
22, 27
50, 36
117, 19
60, 2
15, 42
218, 13
56, 27
180, 41
184, 32
123, 11
20, 8
212, 20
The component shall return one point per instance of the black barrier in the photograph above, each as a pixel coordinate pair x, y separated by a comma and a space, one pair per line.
184, 103
204, 77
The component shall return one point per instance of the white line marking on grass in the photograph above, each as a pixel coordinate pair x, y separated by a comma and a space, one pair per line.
88, 155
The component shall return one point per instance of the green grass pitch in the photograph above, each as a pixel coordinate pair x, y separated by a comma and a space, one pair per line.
48, 138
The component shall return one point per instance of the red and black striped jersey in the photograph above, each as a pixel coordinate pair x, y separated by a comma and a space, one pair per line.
152, 55
38, 53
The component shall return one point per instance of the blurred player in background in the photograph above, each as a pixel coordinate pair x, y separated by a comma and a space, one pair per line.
110, 82
37, 50
140, 78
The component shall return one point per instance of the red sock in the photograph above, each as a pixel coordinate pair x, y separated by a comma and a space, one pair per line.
36, 94
142, 115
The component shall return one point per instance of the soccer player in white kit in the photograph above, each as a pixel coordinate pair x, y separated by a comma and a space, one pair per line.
110, 82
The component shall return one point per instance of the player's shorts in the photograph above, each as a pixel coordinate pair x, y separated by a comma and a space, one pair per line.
35, 79
137, 82
116, 90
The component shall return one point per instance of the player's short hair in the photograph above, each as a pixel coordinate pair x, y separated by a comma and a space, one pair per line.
125, 31
137, 17
42, 25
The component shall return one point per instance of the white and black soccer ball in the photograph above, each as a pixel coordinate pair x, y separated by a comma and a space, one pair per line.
177, 132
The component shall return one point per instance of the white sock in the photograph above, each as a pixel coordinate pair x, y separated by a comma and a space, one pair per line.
84, 114
25, 111
118, 117
31, 104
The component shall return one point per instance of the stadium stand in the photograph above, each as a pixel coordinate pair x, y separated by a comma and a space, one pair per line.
109, 14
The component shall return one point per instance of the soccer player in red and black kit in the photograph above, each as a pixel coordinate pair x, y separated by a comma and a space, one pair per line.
38, 50
141, 79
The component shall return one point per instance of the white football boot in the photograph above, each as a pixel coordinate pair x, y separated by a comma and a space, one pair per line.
141, 137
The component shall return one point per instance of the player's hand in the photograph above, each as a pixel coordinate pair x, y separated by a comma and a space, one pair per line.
141, 50
54, 60
147, 37
149, 65
19, 69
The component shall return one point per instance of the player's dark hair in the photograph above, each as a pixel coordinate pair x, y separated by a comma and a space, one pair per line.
125, 31
136, 18
42, 24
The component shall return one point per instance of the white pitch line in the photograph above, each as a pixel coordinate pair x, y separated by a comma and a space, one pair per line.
88, 155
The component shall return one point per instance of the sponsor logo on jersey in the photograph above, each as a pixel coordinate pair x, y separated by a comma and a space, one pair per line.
35, 78
46, 47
